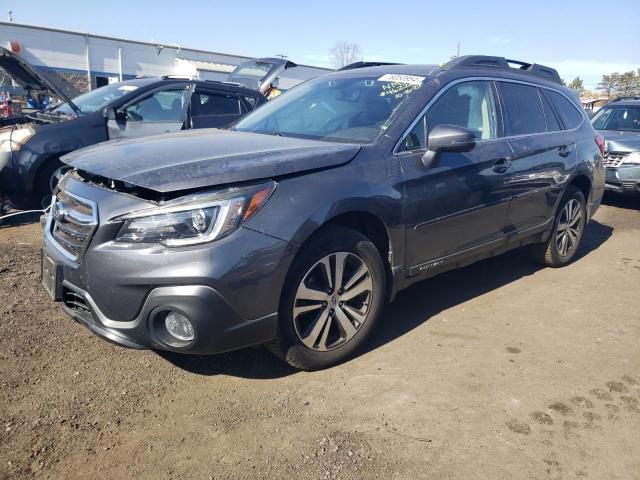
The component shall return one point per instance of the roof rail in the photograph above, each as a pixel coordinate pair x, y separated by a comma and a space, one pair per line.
355, 65
178, 77
504, 64
630, 97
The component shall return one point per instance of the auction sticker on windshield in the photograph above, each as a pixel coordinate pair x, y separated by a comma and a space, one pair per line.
397, 78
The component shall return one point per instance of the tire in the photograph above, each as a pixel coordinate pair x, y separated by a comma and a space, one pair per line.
564, 241
47, 179
317, 334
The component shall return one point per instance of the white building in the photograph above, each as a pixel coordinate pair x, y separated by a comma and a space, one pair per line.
84, 60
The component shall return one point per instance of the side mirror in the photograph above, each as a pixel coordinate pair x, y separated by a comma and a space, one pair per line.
112, 113
448, 138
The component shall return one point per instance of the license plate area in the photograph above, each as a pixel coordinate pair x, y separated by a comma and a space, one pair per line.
51, 277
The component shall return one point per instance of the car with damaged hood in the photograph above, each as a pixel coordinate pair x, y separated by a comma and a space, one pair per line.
619, 123
296, 226
31, 145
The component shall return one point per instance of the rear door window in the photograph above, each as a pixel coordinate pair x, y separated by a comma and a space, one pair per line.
522, 109
205, 103
568, 112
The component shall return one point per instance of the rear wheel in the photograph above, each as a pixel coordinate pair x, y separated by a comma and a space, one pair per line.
569, 226
331, 301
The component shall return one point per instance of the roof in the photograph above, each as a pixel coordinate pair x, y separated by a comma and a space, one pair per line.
504, 65
625, 101
423, 70
230, 86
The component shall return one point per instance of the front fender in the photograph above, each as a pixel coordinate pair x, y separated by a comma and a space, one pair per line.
303, 204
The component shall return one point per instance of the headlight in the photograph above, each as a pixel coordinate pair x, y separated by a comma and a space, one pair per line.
195, 219
632, 159
12, 139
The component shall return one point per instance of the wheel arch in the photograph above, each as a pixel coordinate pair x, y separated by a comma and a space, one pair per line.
582, 183
39, 166
372, 227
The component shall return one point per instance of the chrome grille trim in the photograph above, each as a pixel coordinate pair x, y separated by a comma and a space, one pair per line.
614, 159
71, 222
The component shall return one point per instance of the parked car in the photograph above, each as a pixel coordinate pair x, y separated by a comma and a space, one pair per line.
294, 228
619, 123
31, 145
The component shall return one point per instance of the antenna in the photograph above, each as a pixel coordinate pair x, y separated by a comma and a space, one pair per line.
457, 52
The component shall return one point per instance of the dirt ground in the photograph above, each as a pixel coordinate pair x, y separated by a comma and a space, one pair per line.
502, 370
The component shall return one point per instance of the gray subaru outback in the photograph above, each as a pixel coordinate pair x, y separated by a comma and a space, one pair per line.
297, 226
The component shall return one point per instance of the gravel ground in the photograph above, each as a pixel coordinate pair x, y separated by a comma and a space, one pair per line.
499, 370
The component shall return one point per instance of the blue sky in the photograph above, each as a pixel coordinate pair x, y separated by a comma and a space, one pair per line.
586, 38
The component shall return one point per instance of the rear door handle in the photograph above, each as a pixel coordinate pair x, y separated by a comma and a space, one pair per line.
502, 165
564, 151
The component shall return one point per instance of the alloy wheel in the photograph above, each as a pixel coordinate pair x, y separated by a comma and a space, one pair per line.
332, 301
569, 228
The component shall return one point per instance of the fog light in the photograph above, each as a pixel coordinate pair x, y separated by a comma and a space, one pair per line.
179, 326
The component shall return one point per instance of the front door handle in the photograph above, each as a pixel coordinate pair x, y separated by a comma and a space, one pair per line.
502, 165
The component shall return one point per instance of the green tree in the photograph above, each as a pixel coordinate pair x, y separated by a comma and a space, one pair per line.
608, 84
620, 84
577, 85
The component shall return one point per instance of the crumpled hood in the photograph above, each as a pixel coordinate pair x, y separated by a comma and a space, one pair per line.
207, 157
616, 141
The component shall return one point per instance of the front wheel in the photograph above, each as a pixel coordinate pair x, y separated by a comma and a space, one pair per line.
48, 178
568, 230
332, 298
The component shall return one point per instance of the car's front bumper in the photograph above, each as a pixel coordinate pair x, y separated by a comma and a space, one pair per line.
623, 179
218, 326
228, 289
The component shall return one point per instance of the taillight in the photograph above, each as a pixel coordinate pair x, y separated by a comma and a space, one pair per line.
600, 143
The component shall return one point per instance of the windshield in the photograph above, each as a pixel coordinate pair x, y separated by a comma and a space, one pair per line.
253, 70
348, 109
96, 99
622, 118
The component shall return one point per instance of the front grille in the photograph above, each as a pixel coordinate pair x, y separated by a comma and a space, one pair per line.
614, 159
73, 221
631, 185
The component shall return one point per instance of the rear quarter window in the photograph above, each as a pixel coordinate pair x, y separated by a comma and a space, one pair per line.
568, 112
522, 109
